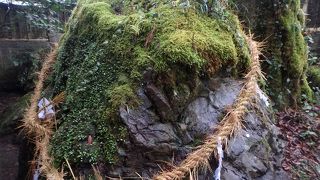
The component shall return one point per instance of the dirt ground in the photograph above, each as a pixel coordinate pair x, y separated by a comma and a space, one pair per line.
301, 132
9, 152
9, 149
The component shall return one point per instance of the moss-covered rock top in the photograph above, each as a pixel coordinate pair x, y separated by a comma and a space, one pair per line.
106, 51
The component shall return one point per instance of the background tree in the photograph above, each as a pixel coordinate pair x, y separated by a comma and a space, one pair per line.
280, 24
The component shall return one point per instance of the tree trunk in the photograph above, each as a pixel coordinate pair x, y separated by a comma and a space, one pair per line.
279, 23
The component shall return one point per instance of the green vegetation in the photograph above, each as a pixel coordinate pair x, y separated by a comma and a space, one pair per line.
107, 47
314, 77
287, 63
122, 95
295, 50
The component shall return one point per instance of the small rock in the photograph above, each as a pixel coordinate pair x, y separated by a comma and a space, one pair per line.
230, 173
225, 94
146, 102
121, 152
160, 102
183, 127
147, 131
253, 165
200, 117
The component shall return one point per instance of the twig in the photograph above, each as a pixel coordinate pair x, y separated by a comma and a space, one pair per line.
74, 177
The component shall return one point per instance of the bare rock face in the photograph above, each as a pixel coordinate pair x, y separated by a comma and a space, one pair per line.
203, 114
255, 153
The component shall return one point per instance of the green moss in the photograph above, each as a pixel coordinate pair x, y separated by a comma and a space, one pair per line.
280, 25
121, 95
314, 76
296, 49
301, 18
288, 64
180, 37
85, 76
193, 39
306, 90
103, 47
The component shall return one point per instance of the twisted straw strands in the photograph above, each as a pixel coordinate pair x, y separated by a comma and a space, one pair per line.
42, 132
230, 124
30, 123
45, 159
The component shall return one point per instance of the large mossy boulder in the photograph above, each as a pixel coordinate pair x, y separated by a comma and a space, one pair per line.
131, 70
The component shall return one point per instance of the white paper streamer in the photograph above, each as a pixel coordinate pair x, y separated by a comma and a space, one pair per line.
263, 97
46, 108
217, 172
36, 173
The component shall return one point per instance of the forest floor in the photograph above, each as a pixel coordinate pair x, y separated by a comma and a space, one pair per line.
9, 162
302, 133
9, 148
6, 99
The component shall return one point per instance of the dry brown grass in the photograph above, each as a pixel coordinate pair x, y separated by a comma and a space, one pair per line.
229, 126
59, 98
97, 173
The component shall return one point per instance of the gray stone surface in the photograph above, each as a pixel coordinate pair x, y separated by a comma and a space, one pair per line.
254, 153
160, 102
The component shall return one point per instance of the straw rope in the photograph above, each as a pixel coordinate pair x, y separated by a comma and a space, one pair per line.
30, 123
41, 131
230, 124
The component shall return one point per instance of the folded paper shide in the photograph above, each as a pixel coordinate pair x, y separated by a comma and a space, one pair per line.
45, 109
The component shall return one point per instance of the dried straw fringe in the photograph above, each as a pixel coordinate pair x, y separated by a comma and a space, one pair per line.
30, 125
34, 128
230, 124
